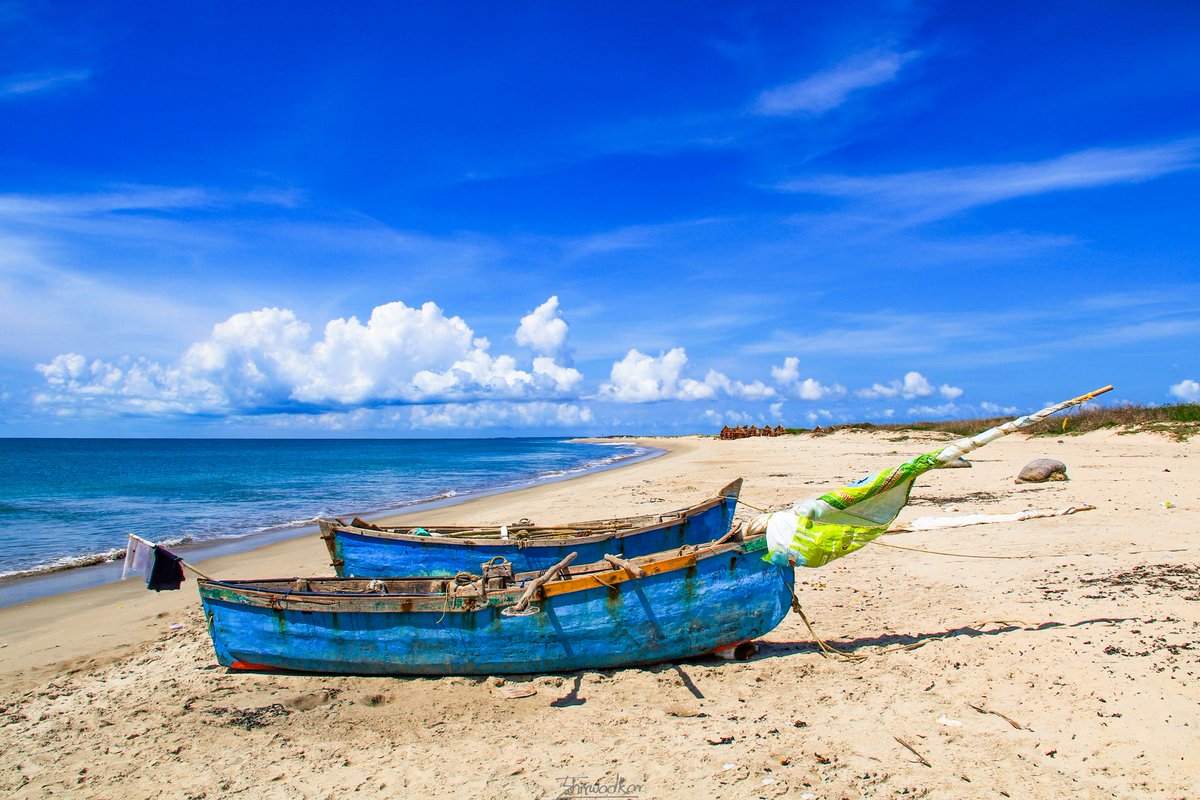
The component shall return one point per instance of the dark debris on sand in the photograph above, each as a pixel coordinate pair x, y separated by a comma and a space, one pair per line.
1181, 579
251, 718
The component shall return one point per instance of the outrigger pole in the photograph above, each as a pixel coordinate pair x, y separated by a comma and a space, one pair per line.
964, 446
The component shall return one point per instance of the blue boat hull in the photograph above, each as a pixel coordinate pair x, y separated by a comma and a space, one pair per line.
714, 602
361, 553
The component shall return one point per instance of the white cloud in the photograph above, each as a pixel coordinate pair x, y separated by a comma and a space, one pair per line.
788, 373
20, 85
827, 90
1187, 390
403, 354
564, 380
913, 385
818, 416
742, 391
639, 378
491, 414
788, 377
922, 196
475, 415
776, 411
139, 387
950, 392
544, 331
811, 389
994, 408
262, 361
944, 410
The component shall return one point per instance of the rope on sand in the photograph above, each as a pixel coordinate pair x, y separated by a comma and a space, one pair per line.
829, 651
940, 553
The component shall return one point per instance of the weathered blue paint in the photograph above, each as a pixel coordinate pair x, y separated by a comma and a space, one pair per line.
362, 553
726, 597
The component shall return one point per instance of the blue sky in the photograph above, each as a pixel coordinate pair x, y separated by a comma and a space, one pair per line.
231, 219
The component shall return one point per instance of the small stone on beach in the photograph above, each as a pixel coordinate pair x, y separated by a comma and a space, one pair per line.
1041, 470
684, 710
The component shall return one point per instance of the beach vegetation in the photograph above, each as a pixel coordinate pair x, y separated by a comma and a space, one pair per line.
1178, 421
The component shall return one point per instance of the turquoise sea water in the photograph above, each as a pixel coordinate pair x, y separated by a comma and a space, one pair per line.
68, 503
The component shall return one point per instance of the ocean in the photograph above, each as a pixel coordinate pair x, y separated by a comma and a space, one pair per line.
69, 503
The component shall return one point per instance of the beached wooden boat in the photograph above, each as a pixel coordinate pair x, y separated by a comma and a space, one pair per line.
609, 614
365, 550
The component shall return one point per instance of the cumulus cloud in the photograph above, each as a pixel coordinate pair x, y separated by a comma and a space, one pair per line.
912, 386
641, 378
950, 392
544, 331
756, 390
266, 361
788, 373
131, 386
1187, 390
788, 378
565, 380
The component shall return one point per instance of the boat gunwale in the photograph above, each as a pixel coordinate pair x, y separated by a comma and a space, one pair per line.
731, 491
597, 575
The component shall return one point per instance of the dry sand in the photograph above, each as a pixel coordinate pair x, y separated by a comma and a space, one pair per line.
1086, 688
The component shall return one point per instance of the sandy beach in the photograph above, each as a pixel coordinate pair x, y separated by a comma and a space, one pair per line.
1065, 665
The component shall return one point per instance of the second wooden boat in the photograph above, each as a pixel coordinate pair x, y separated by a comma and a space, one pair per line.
365, 550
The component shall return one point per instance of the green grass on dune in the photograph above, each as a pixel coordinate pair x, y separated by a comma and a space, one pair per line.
1177, 421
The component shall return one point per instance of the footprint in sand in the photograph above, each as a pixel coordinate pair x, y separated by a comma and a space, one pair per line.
309, 701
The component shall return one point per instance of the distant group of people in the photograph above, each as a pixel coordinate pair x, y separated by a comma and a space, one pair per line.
742, 432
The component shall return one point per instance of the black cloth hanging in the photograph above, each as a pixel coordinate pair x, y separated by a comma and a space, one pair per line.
167, 572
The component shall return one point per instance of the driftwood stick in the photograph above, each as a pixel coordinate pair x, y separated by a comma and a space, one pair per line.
913, 750
630, 567
540, 581
1007, 719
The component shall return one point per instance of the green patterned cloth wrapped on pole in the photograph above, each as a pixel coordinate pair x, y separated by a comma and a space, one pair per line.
816, 531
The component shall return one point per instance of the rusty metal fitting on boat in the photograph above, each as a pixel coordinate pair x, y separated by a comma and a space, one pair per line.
497, 574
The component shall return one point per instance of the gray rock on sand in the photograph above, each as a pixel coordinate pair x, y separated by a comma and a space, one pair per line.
1042, 470
958, 463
